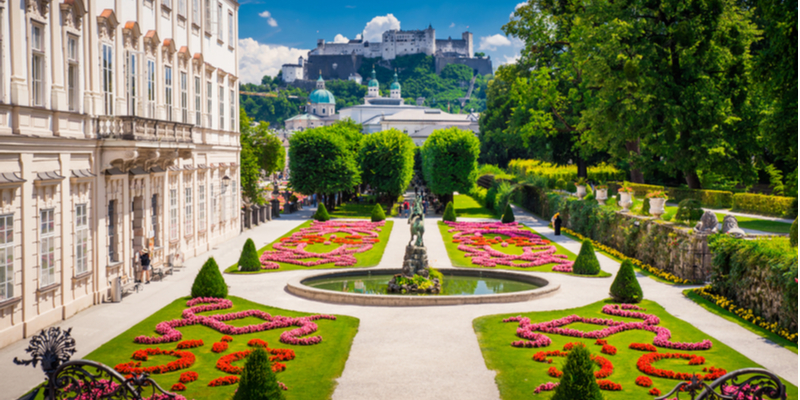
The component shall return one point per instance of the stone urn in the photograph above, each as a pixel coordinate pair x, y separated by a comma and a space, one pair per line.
601, 195
625, 201
581, 191
657, 206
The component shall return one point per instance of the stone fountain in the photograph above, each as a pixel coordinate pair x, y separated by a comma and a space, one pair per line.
415, 262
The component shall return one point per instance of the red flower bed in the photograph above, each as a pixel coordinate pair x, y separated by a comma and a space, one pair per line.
226, 338
569, 346
608, 385
609, 349
190, 344
554, 372
257, 343
185, 360
224, 381
601, 342
542, 356
654, 392
643, 347
606, 368
219, 347
188, 376
645, 361
644, 381
178, 387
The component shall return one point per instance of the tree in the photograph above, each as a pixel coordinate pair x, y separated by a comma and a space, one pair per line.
480, 54
321, 162
449, 212
387, 161
258, 381
321, 214
209, 281
586, 263
248, 260
578, 381
508, 215
625, 288
377, 213
262, 153
449, 160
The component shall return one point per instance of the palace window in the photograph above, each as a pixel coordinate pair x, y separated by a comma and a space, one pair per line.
187, 217
196, 11
221, 107
214, 218
113, 255
168, 89
108, 78
201, 208
151, 88
184, 98
132, 84
209, 101
230, 29
198, 114
173, 214
6, 256
37, 64
233, 111
81, 239
47, 247
182, 8
224, 205
154, 219
72, 73
219, 21
233, 199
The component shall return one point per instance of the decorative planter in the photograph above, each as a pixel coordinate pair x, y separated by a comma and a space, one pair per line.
581, 191
625, 201
657, 206
601, 195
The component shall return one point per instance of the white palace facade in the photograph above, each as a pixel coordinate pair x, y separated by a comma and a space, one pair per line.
118, 130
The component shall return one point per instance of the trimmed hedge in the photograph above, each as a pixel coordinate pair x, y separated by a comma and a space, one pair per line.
625, 288
708, 198
586, 263
248, 260
508, 215
775, 206
689, 210
209, 281
258, 381
449, 212
639, 190
377, 213
578, 381
538, 200
322, 213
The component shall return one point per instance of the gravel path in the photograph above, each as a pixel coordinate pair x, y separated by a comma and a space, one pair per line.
399, 352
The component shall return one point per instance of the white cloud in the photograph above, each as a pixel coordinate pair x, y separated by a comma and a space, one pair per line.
510, 59
373, 32
340, 39
257, 60
270, 21
493, 42
452, 24
358, 36
517, 7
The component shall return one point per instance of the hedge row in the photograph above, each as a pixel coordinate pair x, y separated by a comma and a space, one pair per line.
538, 201
708, 198
568, 173
775, 206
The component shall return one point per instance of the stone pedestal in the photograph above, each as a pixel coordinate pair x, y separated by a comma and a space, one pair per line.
415, 262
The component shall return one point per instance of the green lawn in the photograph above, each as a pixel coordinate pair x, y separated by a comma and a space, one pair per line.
311, 375
467, 207
355, 209
710, 306
370, 258
458, 258
518, 375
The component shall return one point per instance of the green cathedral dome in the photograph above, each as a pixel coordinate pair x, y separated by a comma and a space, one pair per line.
322, 96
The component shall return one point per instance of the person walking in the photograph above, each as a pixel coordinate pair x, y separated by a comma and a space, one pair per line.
416, 190
144, 259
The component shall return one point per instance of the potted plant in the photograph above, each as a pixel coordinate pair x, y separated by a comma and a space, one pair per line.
581, 184
625, 198
657, 200
601, 193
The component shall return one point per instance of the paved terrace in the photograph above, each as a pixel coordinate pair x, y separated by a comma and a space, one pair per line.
442, 357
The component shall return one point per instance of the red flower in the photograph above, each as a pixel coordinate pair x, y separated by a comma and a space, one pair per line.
601, 342
190, 344
224, 381
609, 349
608, 385
185, 360
219, 347
643, 347
178, 387
644, 381
654, 392
226, 338
188, 376
554, 372
645, 361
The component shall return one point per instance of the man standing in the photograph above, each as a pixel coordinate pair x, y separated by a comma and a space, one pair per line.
144, 259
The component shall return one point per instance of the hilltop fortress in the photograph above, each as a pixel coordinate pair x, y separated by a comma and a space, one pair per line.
342, 60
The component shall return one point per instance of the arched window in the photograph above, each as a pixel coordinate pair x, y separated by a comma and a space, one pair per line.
314, 111
323, 111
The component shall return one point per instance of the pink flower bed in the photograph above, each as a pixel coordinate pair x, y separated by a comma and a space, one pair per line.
291, 250
169, 333
104, 388
545, 387
536, 251
527, 330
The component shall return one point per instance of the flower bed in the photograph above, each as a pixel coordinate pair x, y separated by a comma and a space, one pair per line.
476, 241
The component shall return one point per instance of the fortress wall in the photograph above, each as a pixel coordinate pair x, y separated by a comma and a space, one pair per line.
482, 65
333, 66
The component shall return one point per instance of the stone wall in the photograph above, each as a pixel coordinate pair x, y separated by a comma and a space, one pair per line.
482, 65
332, 67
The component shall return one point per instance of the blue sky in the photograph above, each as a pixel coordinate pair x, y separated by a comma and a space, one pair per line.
274, 33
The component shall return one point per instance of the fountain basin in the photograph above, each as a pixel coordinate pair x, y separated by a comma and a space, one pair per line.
520, 283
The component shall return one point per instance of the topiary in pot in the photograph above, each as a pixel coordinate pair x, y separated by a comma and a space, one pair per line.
449, 212
209, 281
248, 260
258, 381
578, 381
586, 263
625, 288
322, 213
377, 213
793, 234
508, 215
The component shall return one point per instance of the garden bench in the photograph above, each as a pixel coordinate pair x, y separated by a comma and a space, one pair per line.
129, 285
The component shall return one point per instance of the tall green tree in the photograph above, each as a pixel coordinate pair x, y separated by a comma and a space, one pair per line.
449, 160
387, 161
262, 155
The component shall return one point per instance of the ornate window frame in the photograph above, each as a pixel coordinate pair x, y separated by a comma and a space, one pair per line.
107, 27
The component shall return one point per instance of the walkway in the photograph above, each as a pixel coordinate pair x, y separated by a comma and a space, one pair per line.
402, 352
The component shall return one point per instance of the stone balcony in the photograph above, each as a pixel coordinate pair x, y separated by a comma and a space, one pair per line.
129, 127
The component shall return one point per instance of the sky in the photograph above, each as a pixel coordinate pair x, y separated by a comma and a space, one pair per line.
275, 33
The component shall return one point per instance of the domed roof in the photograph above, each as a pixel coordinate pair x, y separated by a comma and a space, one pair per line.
322, 96
373, 83
395, 86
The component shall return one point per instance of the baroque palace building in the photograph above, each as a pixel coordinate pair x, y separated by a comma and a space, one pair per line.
118, 130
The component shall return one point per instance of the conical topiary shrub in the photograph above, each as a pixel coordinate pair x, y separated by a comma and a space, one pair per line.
625, 288
377, 213
248, 260
322, 213
258, 381
793, 234
209, 281
508, 215
578, 381
449, 212
586, 263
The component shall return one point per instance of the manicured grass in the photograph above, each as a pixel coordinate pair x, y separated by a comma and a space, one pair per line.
467, 207
354, 209
311, 375
710, 306
370, 258
518, 375
458, 258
